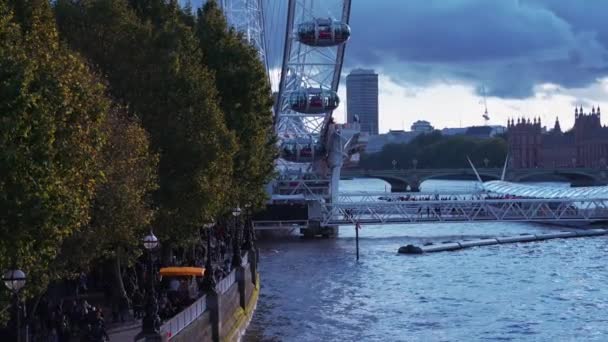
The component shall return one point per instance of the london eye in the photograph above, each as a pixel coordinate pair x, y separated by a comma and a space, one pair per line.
302, 44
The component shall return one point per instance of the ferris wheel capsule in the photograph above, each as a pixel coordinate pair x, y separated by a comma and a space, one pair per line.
313, 101
323, 32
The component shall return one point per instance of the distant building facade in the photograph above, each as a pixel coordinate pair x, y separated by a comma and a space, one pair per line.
377, 142
362, 99
586, 145
422, 126
453, 131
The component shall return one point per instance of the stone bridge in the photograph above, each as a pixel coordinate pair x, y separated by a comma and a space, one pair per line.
402, 180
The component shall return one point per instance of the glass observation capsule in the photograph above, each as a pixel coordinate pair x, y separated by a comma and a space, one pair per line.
313, 101
323, 32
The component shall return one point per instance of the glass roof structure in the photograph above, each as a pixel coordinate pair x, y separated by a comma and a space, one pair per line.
545, 192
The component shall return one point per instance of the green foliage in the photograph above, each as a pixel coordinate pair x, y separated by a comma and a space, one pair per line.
153, 63
122, 210
50, 141
246, 100
434, 151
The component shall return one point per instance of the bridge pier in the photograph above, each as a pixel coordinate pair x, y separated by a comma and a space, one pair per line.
315, 229
414, 186
399, 187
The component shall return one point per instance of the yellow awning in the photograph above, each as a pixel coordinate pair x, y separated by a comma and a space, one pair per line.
182, 271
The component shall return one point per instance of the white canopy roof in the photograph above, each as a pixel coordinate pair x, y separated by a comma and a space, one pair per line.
548, 192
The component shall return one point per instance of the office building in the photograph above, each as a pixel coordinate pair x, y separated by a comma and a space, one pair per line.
362, 99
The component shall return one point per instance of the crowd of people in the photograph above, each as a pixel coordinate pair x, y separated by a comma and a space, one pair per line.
68, 321
78, 312
437, 197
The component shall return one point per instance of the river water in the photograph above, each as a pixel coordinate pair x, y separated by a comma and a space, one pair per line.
315, 290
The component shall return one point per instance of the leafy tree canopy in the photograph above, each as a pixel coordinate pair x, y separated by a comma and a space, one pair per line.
434, 151
152, 61
245, 99
50, 140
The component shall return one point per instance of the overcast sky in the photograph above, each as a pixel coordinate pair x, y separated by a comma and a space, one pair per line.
534, 58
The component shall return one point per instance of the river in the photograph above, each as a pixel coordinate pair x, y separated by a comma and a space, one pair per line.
315, 290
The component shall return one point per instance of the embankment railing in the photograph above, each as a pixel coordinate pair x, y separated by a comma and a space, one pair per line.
180, 321
176, 324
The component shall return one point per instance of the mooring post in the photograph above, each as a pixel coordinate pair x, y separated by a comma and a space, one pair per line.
357, 227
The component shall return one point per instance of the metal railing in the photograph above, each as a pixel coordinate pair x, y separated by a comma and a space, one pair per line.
176, 324
517, 210
180, 321
288, 224
225, 283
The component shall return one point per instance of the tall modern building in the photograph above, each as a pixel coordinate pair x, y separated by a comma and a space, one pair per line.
362, 99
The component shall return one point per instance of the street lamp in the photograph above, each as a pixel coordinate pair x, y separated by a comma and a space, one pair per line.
486, 161
236, 257
415, 163
394, 162
14, 280
149, 324
209, 280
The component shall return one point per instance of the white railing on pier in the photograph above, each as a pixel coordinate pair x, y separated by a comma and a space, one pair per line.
225, 283
176, 324
288, 224
477, 210
365, 196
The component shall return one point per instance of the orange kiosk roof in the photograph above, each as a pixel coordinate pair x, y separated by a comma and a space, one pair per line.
182, 271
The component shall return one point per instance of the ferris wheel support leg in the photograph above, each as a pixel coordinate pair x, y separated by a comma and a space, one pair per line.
335, 183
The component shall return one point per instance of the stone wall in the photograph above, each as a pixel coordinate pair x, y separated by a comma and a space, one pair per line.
199, 330
229, 307
228, 314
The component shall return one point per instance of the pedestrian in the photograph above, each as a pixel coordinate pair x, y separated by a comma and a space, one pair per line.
64, 332
138, 302
53, 337
123, 307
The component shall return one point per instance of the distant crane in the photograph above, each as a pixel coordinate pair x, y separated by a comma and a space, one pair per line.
486, 116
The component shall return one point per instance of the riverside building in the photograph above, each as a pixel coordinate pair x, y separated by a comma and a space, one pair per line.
362, 99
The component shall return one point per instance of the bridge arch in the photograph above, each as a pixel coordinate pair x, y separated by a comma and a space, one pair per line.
485, 176
397, 184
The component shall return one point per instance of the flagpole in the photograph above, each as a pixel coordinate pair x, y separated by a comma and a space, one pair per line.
357, 226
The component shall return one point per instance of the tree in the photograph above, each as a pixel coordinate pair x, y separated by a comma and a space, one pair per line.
245, 99
51, 136
152, 62
436, 151
122, 208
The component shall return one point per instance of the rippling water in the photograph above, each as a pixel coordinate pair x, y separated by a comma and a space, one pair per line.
314, 290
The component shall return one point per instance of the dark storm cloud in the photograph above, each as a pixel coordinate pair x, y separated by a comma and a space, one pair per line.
509, 46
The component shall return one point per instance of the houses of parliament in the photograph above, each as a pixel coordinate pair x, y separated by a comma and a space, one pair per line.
584, 146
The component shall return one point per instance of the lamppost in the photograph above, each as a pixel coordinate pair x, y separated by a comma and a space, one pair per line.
248, 245
236, 248
209, 280
14, 280
486, 161
149, 324
394, 162
415, 163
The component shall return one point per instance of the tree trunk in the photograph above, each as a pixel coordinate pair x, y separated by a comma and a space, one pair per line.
118, 286
167, 254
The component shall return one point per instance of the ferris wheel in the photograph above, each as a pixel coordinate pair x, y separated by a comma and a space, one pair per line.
302, 44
